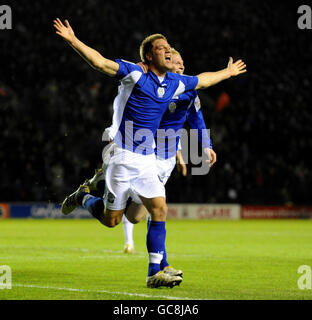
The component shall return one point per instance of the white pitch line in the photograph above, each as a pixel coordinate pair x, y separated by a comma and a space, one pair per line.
137, 253
102, 291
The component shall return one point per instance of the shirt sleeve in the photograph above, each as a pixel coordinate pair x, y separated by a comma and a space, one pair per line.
190, 82
196, 121
126, 68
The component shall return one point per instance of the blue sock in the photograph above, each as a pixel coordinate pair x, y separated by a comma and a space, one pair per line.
164, 263
94, 205
80, 196
155, 242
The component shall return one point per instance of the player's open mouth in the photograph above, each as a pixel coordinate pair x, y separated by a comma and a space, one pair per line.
168, 58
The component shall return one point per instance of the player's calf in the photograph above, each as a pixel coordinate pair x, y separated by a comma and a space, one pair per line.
135, 212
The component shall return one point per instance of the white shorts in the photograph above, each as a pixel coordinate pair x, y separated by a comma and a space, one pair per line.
164, 170
130, 174
165, 167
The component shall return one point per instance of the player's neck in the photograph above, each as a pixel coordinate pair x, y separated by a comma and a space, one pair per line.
157, 71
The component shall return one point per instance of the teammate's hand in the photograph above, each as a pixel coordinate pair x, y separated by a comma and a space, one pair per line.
182, 168
65, 31
181, 165
237, 67
211, 155
143, 66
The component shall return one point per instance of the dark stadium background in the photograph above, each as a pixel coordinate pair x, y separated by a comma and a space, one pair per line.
54, 107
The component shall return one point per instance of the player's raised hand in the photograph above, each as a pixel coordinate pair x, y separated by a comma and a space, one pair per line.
65, 31
237, 67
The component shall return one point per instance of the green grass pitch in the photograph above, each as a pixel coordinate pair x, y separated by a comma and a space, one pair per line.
81, 259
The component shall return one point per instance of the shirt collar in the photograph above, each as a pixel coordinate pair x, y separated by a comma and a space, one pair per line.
155, 78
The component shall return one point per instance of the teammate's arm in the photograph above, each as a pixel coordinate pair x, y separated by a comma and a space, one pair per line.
207, 79
181, 165
93, 57
196, 121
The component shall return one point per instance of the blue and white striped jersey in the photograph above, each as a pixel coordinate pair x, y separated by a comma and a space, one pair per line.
140, 104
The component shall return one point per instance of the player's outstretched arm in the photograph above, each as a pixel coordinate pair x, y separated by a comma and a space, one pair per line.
93, 57
208, 79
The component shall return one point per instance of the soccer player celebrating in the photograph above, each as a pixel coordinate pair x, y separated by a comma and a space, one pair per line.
167, 141
141, 101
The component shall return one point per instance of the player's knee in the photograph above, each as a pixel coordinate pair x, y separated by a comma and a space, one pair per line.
112, 218
110, 225
164, 211
160, 212
111, 222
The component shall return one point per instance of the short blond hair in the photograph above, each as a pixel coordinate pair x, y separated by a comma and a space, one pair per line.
147, 45
174, 51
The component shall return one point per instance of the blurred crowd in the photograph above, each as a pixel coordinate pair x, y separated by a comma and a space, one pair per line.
54, 107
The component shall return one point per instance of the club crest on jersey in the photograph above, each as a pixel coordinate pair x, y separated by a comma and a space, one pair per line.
172, 107
160, 92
